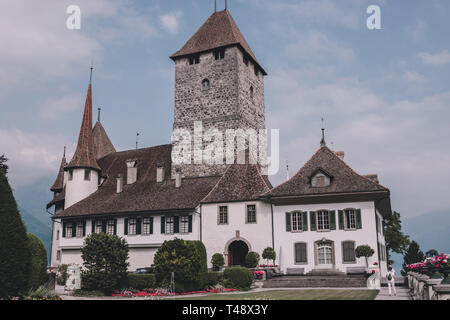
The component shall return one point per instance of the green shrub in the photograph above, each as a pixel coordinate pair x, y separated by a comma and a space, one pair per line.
201, 250
42, 292
14, 252
210, 279
141, 281
105, 262
62, 276
238, 278
88, 293
252, 259
269, 254
38, 268
217, 261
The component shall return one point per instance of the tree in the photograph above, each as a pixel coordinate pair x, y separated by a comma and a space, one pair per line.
413, 254
14, 252
269, 254
252, 259
181, 258
217, 261
38, 269
3, 166
364, 251
396, 241
431, 253
105, 262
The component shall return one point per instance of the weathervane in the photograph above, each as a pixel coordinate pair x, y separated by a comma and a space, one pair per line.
137, 136
99, 110
323, 143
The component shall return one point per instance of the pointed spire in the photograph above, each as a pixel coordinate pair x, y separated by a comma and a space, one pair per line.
58, 185
84, 154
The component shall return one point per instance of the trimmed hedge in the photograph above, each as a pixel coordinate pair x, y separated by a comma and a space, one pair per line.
201, 249
141, 281
210, 279
238, 278
252, 259
217, 261
38, 266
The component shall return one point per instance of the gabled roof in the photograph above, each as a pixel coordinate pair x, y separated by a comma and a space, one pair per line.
84, 156
102, 144
345, 180
58, 185
240, 182
220, 30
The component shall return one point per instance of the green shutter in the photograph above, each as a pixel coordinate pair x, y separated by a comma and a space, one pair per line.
305, 221
115, 226
190, 224
64, 229
163, 225
92, 226
138, 225
104, 226
84, 228
151, 225
288, 221
333, 220
312, 216
74, 229
176, 224
125, 229
341, 219
358, 219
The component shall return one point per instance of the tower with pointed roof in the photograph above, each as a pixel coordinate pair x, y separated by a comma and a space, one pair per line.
218, 81
83, 172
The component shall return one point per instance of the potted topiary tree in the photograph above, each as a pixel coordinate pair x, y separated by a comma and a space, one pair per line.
364, 251
217, 261
269, 254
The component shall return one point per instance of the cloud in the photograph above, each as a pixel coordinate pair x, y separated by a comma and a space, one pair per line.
171, 21
412, 76
54, 108
436, 59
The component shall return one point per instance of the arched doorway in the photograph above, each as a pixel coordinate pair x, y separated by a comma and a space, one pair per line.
324, 251
237, 250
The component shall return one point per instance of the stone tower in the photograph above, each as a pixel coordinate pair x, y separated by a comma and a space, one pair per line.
219, 82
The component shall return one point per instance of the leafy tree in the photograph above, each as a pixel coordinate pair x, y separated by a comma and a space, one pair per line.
269, 254
413, 254
38, 272
3, 166
182, 258
238, 278
217, 261
105, 262
252, 259
364, 251
14, 252
396, 241
62, 275
431, 253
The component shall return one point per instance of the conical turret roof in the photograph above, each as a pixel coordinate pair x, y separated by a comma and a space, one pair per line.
58, 185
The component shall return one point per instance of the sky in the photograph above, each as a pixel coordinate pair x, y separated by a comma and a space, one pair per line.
384, 94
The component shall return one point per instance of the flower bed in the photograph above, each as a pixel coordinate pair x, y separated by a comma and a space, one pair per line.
164, 293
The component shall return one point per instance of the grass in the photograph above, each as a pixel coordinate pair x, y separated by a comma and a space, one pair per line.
295, 295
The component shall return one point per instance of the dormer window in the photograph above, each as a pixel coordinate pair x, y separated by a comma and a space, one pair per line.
320, 180
194, 60
219, 54
205, 85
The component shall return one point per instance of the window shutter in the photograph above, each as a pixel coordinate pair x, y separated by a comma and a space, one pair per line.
376, 222
305, 221
64, 229
288, 221
333, 220
138, 225
92, 226
151, 225
312, 216
84, 228
190, 224
163, 225
341, 219
300, 253
115, 226
125, 229
358, 219
74, 229
104, 226
176, 224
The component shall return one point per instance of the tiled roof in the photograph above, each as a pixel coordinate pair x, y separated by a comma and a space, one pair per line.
58, 185
240, 182
102, 144
59, 198
344, 179
220, 30
84, 156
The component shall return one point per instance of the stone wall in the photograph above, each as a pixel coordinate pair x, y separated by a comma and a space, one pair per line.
422, 287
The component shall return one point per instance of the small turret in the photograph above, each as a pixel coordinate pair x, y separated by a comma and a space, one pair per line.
58, 185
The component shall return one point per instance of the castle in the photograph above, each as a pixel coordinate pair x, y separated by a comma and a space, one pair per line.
315, 220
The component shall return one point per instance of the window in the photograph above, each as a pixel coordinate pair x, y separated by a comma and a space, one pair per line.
98, 226
323, 220
80, 229
70, 175
57, 235
194, 60
350, 219
69, 230
184, 224
251, 213
223, 215
252, 92
132, 227
348, 251
320, 180
205, 85
300, 253
87, 175
325, 253
219, 54
170, 225
110, 227
146, 226
297, 221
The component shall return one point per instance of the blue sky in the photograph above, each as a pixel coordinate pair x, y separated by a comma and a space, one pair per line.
384, 94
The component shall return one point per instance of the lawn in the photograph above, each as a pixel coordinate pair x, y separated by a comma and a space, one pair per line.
295, 295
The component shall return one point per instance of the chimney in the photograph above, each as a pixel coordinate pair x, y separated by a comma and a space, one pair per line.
160, 174
119, 183
178, 179
131, 171
340, 154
